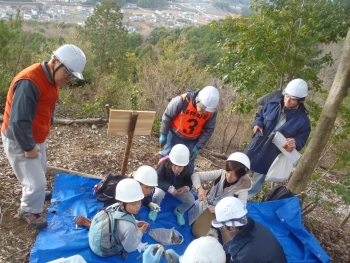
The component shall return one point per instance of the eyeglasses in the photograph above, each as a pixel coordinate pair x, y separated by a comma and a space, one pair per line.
243, 220
291, 97
69, 74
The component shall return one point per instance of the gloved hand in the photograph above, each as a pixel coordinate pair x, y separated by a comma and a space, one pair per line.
142, 247
162, 140
154, 206
194, 153
171, 256
149, 257
171, 189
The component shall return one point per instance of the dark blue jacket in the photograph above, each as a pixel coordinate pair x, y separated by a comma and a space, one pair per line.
166, 177
261, 151
254, 243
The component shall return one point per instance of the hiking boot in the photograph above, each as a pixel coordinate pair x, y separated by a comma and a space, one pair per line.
179, 217
48, 195
83, 221
152, 215
34, 220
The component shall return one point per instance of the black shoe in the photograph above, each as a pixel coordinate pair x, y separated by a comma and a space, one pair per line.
48, 195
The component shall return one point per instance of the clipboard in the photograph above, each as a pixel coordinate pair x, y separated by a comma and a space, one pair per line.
280, 141
197, 209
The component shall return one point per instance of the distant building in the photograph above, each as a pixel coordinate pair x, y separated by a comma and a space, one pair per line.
45, 16
34, 11
4, 16
131, 29
130, 6
137, 18
27, 17
158, 12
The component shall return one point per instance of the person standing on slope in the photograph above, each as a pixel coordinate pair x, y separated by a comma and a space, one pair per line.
286, 115
28, 117
189, 119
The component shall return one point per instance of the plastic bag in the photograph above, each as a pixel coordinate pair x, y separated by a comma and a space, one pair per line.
279, 170
166, 236
72, 259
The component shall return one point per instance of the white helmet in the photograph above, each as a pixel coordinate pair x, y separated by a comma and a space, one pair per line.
230, 211
241, 158
128, 190
204, 250
73, 58
146, 175
209, 97
179, 155
296, 88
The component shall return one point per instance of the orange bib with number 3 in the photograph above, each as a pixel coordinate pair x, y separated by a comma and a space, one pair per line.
189, 122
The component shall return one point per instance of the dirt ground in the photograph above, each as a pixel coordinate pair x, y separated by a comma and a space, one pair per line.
88, 149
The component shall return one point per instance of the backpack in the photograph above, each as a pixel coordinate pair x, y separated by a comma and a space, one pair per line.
277, 192
103, 240
105, 190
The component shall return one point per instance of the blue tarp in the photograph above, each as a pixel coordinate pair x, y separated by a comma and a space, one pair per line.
283, 218
73, 196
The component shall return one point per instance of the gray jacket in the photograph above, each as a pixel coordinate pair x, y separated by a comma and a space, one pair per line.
174, 108
218, 192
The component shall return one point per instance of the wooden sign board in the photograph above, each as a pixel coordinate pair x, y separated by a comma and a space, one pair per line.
119, 121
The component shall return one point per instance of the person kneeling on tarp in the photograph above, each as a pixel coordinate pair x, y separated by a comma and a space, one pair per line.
174, 177
251, 241
233, 181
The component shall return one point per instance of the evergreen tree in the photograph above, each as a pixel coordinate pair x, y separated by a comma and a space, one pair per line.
104, 29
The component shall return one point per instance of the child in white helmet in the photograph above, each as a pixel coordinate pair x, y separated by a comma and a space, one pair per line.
129, 234
174, 177
233, 181
204, 250
148, 179
146, 176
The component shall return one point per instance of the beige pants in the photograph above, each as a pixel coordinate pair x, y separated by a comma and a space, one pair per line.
202, 225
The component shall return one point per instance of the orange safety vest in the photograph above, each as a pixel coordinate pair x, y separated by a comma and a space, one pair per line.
189, 122
48, 96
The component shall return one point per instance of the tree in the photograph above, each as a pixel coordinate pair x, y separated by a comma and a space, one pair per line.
338, 92
280, 42
104, 29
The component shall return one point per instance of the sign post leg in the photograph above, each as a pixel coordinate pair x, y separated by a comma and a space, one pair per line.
133, 121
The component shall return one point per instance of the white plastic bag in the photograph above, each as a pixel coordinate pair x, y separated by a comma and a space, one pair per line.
166, 236
72, 259
279, 170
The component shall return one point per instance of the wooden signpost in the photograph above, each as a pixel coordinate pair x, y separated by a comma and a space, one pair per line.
128, 122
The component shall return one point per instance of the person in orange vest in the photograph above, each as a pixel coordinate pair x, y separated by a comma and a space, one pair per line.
28, 117
189, 119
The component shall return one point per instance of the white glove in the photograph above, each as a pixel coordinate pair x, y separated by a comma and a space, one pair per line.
142, 247
171, 189
154, 206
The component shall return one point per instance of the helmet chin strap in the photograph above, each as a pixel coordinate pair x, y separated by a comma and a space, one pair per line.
55, 70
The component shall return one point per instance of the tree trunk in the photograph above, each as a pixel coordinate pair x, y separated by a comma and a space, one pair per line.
338, 92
